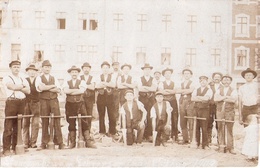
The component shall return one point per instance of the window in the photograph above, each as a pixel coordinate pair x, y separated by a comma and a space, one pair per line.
93, 23
142, 21
140, 56
118, 20
166, 56
59, 53
1, 18
117, 53
190, 57
61, 20
192, 21
166, 21
82, 53
92, 52
242, 25
15, 51
39, 17
257, 26
17, 18
82, 21
216, 56
241, 58
216, 22
257, 59
38, 53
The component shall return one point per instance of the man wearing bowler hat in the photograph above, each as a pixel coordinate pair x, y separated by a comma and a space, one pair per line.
147, 87
89, 94
215, 85
15, 87
225, 97
169, 90
74, 89
248, 96
49, 87
32, 107
201, 96
105, 100
125, 82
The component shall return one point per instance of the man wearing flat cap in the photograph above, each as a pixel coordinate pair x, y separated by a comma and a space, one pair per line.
215, 85
225, 97
133, 115
32, 107
15, 87
168, 89
161, 119
186, 106
147, 87
201, 96
248, 96
74, 90
157, 76
89, 94
125, 82
105, 100
49, 88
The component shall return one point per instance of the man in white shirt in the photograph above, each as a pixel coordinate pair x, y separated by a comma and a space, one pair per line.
105, 85
133, 115
74, 89
201, 97
147, 87
226, 98
248, 96
161, 119
15, 87
49, 87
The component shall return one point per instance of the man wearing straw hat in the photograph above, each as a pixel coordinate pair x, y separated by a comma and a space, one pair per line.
74, 89
248, 96
32, 107
15, 87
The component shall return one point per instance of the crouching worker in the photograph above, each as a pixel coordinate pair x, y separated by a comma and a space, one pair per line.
133, 116
161, 119
74, 90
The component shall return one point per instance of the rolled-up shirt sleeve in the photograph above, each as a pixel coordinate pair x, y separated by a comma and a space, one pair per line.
168, 108
153, 113
38, 81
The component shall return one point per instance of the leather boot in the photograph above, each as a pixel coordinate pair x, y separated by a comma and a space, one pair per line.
72, 139
89, 143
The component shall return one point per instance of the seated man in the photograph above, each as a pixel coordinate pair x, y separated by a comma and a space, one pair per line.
161, 119
133, 115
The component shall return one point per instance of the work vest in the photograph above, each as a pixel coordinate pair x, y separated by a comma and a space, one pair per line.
146, 83
108, 90
171, 87
202, 104
163, 116
137, 114
88, 92
228, 105
212, 86
47, 94
34, 95
74, 98
187, 96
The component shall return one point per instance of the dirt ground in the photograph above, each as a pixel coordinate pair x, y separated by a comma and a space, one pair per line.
116, 154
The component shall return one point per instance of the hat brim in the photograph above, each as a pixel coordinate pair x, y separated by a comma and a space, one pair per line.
85, 66
163, 72
227, 77
14, 63
243, 73
126, 66
105, 64
150, 67
31, 69
74, 69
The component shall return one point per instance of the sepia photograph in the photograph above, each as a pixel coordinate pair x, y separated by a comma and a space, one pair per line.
129, 83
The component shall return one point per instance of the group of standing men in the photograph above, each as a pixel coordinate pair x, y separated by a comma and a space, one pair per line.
146, 104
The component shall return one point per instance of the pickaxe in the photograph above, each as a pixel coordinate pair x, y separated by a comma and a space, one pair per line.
80, 137
193, 143
50, 144
19, 148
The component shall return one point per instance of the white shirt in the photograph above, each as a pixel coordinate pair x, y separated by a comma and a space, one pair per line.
139, 82
233, 94
39, 81
209, 93
249, 93
81, 85
130, 107
161, 85
16, 80
113, 78
160, 106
